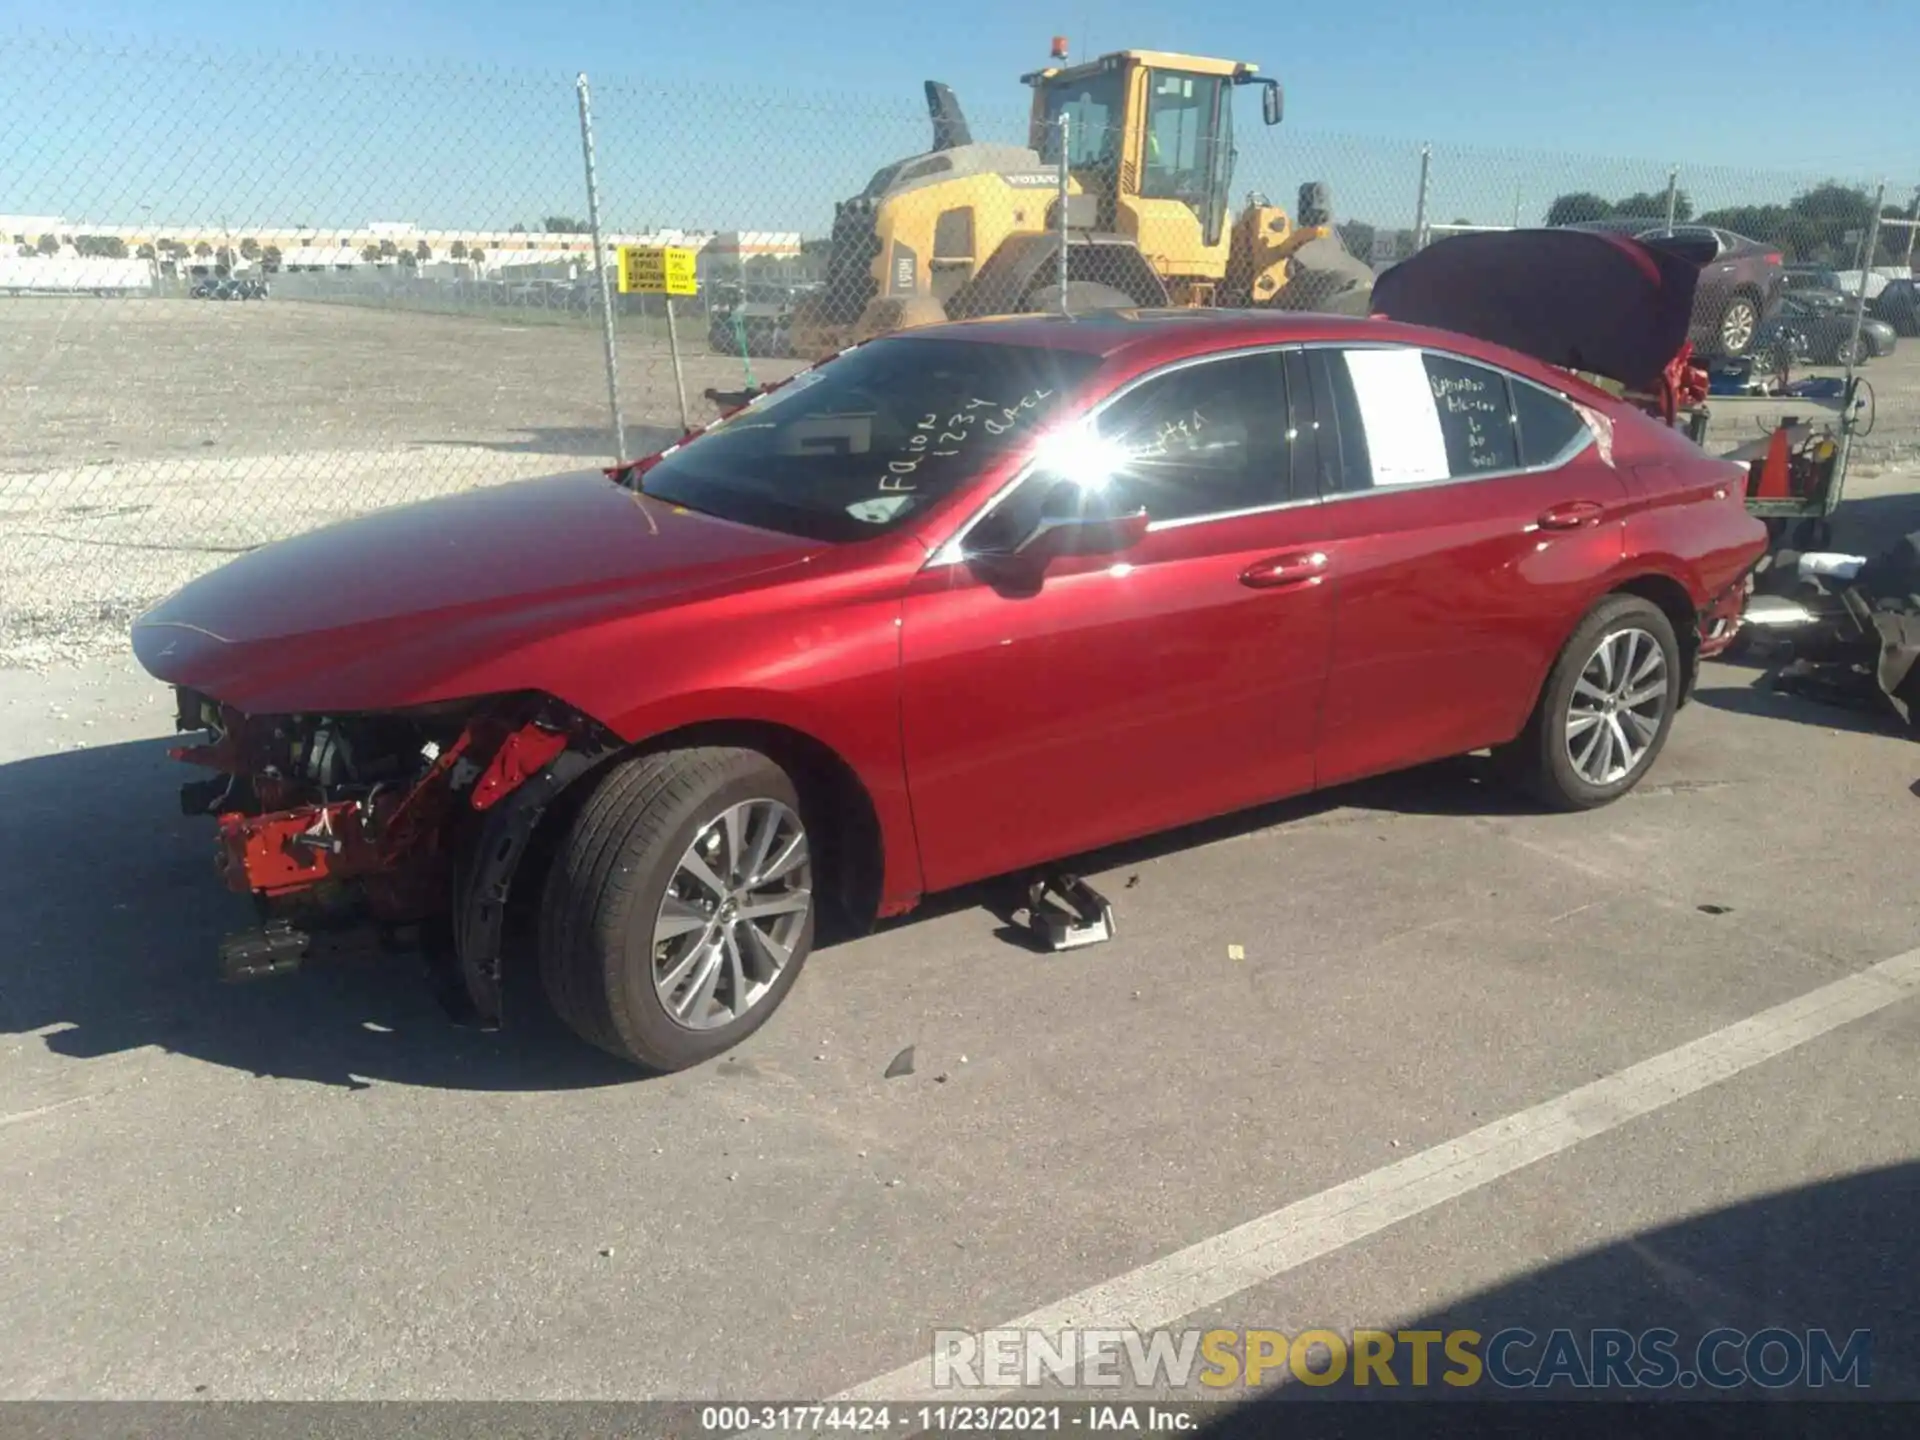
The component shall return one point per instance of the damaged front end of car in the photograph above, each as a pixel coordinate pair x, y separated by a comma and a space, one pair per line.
412, 821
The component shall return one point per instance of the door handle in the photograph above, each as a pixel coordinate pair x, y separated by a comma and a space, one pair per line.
1571, 516
1298, 568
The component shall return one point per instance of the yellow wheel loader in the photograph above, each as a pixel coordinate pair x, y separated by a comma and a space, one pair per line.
972, 228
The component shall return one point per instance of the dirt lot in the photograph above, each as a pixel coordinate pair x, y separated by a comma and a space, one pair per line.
142, 441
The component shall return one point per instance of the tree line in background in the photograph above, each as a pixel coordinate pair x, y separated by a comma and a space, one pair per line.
1824, 225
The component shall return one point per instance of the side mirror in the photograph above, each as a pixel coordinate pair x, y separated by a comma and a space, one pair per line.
1273, 104
1072, 521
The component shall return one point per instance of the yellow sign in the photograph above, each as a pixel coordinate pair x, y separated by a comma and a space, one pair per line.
657, 270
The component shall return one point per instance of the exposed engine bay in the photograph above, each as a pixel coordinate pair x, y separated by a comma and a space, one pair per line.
413, 821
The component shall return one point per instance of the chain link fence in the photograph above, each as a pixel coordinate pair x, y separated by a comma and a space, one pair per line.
243, 295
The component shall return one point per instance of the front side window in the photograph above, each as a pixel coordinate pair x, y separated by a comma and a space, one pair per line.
1204, 439
1199, 441
853, 448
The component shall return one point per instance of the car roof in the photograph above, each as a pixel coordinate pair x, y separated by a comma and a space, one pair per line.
1172, 333
1632, 225
1647, 224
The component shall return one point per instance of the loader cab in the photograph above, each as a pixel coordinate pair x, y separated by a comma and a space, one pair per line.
1150, 140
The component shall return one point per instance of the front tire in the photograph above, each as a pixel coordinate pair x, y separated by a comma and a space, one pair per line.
1605, 711
679, 907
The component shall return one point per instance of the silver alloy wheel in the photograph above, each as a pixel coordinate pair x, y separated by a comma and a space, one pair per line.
1737, 326
732, 914
1617, 705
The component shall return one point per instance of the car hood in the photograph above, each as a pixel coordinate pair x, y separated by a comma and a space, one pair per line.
408, 605
1578, 299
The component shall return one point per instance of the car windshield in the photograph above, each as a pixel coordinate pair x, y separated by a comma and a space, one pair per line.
854, 447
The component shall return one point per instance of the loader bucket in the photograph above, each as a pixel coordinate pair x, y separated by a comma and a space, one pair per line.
1579, 299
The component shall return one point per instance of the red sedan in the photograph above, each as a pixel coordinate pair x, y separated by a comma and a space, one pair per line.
955, 603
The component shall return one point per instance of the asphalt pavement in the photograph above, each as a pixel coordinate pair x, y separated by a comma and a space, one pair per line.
316, 1188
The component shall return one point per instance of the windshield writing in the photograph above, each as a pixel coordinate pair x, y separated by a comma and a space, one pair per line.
858, 445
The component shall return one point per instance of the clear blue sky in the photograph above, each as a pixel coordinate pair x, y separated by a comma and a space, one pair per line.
1712, 85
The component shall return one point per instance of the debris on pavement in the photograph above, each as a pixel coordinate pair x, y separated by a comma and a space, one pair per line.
1823, 565
1847, 636
902, 1064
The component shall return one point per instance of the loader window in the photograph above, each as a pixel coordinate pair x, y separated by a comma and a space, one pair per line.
1189, 145
1095, 107
1183, 119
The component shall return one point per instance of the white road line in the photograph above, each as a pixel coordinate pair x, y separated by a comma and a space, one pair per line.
1162, 1291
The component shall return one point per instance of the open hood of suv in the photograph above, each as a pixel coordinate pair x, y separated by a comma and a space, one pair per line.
1578, 299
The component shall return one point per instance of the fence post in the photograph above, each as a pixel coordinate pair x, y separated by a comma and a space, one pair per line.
1913, 227
1673, 194
600, 276
1859, 317
1420, 204
1064, 176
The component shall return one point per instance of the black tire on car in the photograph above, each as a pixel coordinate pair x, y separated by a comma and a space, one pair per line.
1852, 351
1739, 323
1624, 647
652, 873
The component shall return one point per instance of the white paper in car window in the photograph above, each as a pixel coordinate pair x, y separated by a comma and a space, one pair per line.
1403, 424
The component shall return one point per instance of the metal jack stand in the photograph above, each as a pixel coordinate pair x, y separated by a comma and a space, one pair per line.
1065, 913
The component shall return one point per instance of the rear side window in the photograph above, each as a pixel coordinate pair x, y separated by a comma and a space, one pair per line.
1475, 419
1547, 424
1403, 416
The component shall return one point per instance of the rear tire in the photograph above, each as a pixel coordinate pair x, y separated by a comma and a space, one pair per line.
1598, 728
626, 874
